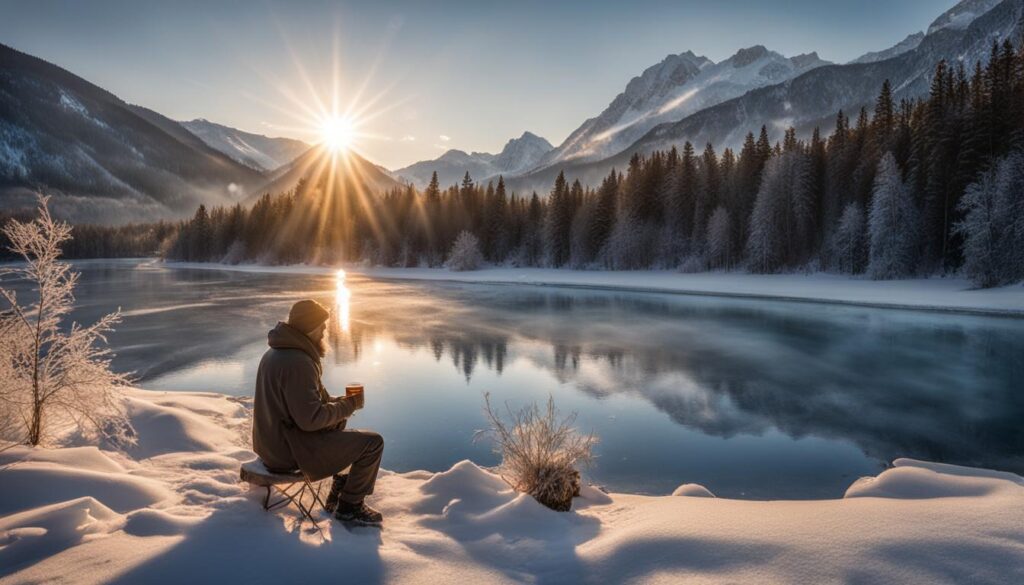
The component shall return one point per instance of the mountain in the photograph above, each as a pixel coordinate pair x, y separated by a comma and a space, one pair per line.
316, 164
673, 89
962, 15
260, 152
519, 155
963, 34
102, 159
908, 44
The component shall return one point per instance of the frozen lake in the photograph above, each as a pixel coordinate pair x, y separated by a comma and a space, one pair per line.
753, 399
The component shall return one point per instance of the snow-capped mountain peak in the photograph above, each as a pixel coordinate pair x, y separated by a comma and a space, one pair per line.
521, 154
745, 57
674, 88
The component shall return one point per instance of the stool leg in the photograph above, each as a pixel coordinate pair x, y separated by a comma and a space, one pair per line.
295, 497
316, 493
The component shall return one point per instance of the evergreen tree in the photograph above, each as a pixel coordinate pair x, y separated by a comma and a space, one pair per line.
892, 224
850, 241
719, 247
558, 225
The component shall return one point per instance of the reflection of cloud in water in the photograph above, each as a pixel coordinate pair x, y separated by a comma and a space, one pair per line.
895, 383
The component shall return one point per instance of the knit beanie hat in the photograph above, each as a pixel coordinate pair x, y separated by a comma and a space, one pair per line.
307, 315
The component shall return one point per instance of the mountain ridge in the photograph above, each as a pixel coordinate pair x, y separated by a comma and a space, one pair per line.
263, 153
101, 158
671, 89
517, 156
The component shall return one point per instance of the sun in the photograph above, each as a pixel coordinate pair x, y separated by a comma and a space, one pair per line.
337, 132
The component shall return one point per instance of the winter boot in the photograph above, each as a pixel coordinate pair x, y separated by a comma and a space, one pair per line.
358, 514
337, 485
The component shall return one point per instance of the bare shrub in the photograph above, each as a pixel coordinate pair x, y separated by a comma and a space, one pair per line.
55, 376
540, 452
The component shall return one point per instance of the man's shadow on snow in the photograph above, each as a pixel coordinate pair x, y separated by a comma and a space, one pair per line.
241, 543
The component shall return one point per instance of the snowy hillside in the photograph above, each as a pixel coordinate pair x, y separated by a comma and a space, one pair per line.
255, 150
519, 155
171, 509
678, 86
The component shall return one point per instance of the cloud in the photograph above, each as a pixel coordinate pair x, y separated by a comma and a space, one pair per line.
444, 138
408, 138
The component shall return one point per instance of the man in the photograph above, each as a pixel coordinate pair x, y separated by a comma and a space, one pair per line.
297, 425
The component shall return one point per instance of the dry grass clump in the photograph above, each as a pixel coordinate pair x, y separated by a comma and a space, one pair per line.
540, 452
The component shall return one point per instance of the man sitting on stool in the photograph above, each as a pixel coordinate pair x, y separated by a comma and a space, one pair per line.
298, 425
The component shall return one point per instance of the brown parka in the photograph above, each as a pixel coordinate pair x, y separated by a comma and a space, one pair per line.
296, 423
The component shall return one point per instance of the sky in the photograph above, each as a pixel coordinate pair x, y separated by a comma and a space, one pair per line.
421, 77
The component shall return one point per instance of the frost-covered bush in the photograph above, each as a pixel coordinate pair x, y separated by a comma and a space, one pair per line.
540, 452
55, 377
465, 254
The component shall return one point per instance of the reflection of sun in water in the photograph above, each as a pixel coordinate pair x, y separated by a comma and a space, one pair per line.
341, 300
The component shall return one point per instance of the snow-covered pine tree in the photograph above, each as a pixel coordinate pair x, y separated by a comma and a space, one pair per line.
57, 376
719, 247
892, 223
465, 253
782, 220
850, 241
993, 224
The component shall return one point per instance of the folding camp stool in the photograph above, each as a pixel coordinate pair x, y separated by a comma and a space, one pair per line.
256, 473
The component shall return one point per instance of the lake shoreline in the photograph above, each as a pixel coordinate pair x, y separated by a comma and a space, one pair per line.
936, 295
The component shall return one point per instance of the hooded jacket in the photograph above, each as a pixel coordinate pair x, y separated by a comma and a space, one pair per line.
296, 424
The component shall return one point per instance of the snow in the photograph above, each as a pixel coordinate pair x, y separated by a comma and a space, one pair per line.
934, 294
83, 514
693, 490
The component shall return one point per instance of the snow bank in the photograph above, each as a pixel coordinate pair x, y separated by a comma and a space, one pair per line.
934, 294
693, 490
910, 479
173, 511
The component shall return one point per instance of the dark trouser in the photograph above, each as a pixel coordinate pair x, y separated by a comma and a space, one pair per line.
366, 449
